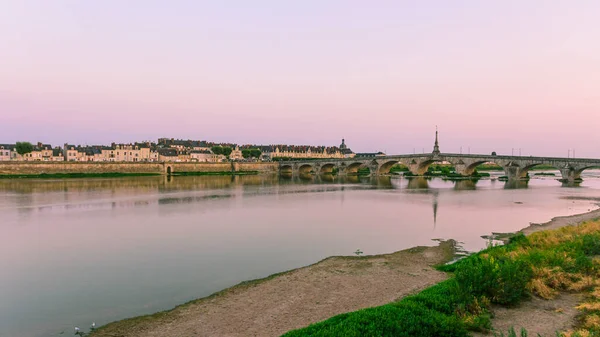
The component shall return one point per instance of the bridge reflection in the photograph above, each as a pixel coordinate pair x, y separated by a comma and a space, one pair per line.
409, 183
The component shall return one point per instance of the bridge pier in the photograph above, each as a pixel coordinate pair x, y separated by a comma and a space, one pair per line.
570, 175
417, 168
514, 172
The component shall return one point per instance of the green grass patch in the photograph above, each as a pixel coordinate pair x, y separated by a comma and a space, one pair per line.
75, 175
363, 171
398, 168
223, 173
489, 167
543, 167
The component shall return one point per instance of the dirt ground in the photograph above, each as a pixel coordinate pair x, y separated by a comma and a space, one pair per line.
537, 316
297, 298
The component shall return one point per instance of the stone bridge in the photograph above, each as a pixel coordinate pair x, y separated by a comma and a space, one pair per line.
515, 167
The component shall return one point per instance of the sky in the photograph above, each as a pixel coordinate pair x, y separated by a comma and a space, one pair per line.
501, 75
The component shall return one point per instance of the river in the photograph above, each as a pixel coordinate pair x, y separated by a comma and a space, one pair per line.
78, 251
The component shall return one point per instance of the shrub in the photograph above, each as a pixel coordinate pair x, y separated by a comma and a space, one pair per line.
502, 280
591, 244
402, 319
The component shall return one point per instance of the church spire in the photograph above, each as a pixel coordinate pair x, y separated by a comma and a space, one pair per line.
436, 146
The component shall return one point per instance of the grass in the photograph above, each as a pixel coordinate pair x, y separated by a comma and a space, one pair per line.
75, 175
398, 168
221, 173
363, 171
489, 167
494, 167
542, 264
118, 175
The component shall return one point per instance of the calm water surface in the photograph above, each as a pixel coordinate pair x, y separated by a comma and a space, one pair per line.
76, 251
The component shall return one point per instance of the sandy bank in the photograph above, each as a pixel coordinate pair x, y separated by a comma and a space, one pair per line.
296, 298
562, 221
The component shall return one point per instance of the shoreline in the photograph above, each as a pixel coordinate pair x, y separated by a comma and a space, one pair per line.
123, 175
278, 303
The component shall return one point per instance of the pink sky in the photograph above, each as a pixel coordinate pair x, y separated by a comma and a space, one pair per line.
494, 75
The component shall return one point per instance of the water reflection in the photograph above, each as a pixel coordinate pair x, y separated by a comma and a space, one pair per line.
465, 185
516, 184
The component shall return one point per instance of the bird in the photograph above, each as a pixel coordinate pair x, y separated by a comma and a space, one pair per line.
76, 329
93, 325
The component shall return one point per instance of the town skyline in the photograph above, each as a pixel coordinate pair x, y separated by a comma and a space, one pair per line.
570, 151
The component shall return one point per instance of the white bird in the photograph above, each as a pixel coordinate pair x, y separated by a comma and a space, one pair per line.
93, 325
76, 329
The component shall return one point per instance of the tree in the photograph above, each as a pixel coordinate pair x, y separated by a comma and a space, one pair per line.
24, 147
255, 153
217, 149
227, 151
251, 153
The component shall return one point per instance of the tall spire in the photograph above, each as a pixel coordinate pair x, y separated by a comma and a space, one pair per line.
436, 146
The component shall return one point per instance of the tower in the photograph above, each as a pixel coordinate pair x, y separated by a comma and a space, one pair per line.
436, 146
343, 145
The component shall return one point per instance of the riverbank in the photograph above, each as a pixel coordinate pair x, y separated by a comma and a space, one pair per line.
10, 170
297, 298
293, 299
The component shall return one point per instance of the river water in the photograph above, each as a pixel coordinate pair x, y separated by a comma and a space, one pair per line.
78, 251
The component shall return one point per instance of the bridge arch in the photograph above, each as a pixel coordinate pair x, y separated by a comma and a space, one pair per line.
352, 168
306, 169
286, 169
423, 166
470, 168
328, 168
578, 171
387, 166
169, 170
524, 171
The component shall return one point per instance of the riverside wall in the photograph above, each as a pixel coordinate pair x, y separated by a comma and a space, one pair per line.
36, 168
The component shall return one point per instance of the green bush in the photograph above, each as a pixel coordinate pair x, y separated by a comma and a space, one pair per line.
502, 280
591, 244
402, 319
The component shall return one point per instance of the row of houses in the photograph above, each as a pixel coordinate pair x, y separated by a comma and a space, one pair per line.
168, 150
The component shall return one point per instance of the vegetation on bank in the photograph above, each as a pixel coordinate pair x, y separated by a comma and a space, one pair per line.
542, 264
495, 167
75, 175
399, 168
120, 174
363, 171
489, 167
222, 173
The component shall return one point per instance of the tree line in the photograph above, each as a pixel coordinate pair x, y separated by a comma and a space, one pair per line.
246, 153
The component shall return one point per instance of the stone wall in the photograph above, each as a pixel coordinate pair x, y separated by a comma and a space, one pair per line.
18, 168
7, 168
